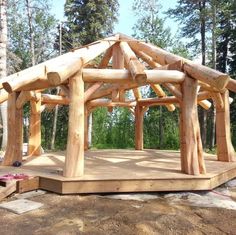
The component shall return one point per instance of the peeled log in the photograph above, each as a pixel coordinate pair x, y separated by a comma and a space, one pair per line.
3, 96
192, 162
212, 77
134, 65
231, 85
55, 99
205, 74
158, 101
64, 69
74, 162
225, 149
124, 76
160, 93
109, 103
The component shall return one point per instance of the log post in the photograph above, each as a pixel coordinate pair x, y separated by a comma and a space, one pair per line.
15, 132
192, 162
86, 127
34, 148
225, 149
138, 127
74, 162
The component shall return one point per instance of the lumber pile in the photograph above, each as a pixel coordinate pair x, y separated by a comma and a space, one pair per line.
125, 64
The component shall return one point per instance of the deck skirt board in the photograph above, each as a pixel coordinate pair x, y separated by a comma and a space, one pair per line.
124, 171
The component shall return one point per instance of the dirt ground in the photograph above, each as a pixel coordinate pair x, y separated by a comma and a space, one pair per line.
92, 214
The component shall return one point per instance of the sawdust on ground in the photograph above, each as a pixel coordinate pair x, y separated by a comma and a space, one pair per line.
91, 214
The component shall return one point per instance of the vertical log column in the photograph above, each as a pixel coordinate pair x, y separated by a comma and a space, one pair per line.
192, 161
138, 127
86, 128
74, 163
15, 132
34, 148
225, 149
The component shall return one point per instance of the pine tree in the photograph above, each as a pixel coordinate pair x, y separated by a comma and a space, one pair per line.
194, 20
3, 65
149, 25
88, 20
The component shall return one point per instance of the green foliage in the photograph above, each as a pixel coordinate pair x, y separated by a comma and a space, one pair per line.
149, 25
88, 21
113, 130
18, 33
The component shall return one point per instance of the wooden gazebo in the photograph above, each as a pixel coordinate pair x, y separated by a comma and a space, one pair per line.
126, 64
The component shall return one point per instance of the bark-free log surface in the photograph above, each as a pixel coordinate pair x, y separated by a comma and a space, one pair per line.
135, 67
199, 72
34, 148
225, 149
124, 76
66, 68
55, 99
191, 154
15, 132
160, 93
138, 127
109, 103
74, 163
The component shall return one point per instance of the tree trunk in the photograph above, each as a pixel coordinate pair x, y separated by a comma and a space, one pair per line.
90, 127
31, 31
3, 66
213, 111
203, 119
160, 128
54, 128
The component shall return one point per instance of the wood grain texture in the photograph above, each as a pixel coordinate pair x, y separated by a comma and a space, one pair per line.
34, 147
225, 149
191, 149
74, 163
15, 132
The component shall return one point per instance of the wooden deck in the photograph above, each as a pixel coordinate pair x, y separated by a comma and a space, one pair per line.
124, 171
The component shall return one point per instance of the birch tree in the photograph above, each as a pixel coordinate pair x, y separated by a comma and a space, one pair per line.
3, 64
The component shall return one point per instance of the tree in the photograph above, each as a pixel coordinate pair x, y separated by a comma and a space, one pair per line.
88, 20
3, 64
226, 48
194, 20
149, 25
31, 36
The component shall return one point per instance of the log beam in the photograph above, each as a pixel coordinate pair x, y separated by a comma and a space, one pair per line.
160, 93
232, 85
55, 99
135, 67
158, 101
212, 77
124, 76
74, 162
63, 70
26, 96
109, 103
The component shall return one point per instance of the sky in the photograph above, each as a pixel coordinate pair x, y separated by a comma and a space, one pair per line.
126, 17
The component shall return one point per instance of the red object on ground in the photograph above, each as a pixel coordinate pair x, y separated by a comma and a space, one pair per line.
13, 176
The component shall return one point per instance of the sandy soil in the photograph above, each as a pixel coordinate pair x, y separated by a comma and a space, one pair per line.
64, 215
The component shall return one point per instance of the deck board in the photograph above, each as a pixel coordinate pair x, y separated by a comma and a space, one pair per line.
124, 171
